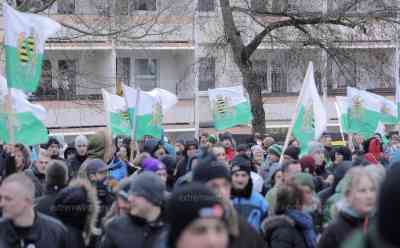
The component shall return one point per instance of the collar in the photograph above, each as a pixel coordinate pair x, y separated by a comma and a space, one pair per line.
33, 236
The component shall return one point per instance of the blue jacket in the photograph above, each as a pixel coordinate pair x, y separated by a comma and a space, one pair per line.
118, 169
254, 209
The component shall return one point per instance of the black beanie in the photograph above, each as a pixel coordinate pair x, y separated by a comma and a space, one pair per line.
53, 140
206, 173
56, 175
241, 163
169, 162
293, 152
388, 207
189, 203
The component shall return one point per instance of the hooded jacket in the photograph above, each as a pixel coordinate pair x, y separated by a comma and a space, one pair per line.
281, 232
132, 232
46, 232
39, 180
80, 224
75, 164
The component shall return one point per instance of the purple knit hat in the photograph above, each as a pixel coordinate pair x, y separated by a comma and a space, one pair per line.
151, 164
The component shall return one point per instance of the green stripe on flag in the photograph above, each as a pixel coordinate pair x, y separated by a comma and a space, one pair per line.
23, 68
240, 114
28, 129
120, 124
144, 126
304, 129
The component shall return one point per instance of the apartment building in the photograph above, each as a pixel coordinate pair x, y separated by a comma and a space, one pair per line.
172, 45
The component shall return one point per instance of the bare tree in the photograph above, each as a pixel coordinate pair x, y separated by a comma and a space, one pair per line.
274, 20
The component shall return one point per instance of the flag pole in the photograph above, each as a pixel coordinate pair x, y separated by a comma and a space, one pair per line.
10, 119
134, 143
340, 123
106, 103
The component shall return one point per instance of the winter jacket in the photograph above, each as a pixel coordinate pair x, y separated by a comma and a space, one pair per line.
118, 169
38, 180
230, 153
44, 203
281, 232
75, 164
131, 232
45, 232
253, 208
339, 230
371, 240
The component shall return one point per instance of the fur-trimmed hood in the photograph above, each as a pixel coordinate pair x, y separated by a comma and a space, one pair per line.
81, 196
274, 222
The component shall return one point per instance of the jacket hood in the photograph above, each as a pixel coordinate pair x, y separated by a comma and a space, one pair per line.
66, 199
274, 222
151, 145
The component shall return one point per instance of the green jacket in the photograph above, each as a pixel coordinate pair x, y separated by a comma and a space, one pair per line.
371, 240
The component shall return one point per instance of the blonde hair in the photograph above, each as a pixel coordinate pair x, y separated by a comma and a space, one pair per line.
354, 176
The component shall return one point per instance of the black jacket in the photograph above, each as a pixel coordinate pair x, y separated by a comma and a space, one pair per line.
74, 164
339, 230
44, 203
45, 232
281, 232
38, 179
131, 232
248, 236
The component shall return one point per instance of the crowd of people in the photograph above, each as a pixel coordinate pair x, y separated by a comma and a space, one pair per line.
208, 192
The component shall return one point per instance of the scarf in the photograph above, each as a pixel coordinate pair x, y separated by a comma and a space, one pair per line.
305, 222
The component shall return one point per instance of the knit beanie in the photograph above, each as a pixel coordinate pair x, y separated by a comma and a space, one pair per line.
304, 179
212, 139
207, 173
53, 140
293, 152
189, 203
307, 164
81, 140
56, 175
275, 149
149, 186
241, 163
388, 207
151, 164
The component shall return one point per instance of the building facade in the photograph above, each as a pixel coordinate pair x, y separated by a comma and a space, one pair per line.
179, 47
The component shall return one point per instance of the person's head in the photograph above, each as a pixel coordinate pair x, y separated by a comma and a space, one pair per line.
244, 149
395, 141
119, 141
388, 207
227, 140
288, 196
123, 153
16, 196
179, 145
212, 140
96, 170
258, 153
190, 148
274, 152
204, 139
154, 147
341, 154
81, 145
156, 166
307, 164
197, 218
306, 183
53, 147
360, 190
216, 176
294, 143
122, 193
70, 152
317, 151
277, 178
42, 161
358, 139
290, 169
326, 140
56, 175
292, 152
240, 173
269, 140
146, 195
219, 152
22, 157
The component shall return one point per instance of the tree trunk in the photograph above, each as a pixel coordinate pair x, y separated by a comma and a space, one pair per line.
256, 100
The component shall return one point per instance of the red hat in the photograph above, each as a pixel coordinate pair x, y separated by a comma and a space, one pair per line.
307, 164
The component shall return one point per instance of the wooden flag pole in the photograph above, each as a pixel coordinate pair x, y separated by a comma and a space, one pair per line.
134, 143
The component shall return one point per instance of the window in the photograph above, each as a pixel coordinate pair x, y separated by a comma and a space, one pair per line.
145, 5
122, 7
146, 73
124, 70
66, 7
45, 89
66, 81
206, 5
206, 74
278, 79
260, 67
